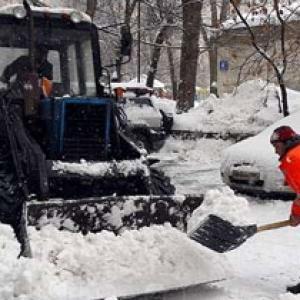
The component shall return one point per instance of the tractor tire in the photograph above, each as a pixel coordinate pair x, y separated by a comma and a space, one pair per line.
160, 184
10, 192
11, 203
10, 195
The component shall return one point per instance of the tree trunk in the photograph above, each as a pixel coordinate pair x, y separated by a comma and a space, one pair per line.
129, 9
189, 54
91, 6
172, 72
160, 38
213, 67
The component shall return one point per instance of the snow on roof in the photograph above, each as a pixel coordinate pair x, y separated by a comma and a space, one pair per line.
9, 10
156, 84
260, 16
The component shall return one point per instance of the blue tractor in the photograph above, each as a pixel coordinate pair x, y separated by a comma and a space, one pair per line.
65, 154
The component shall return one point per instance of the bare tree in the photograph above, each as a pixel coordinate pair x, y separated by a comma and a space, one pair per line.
163, 18
280, 67
173, 75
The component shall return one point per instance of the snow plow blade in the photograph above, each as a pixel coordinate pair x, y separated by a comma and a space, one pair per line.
113, 213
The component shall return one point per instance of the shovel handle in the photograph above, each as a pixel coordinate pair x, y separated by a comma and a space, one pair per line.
274, 225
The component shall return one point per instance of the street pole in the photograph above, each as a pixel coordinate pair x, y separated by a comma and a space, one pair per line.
139, 43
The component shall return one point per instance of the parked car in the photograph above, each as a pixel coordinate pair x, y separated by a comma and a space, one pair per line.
148, 124
251, 166
141, 110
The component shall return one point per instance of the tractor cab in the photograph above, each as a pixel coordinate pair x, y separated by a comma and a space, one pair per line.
71, 40
67, 114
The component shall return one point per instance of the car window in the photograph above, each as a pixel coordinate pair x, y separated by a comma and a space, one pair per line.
141, 101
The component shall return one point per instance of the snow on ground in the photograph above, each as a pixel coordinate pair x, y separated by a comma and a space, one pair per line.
177, 160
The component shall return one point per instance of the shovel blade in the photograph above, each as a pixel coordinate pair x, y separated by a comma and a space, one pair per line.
220, 235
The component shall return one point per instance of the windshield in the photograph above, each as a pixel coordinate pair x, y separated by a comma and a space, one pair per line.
69, 52
140, 101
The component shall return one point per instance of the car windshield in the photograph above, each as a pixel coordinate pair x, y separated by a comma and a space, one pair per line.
70, 53
140, 101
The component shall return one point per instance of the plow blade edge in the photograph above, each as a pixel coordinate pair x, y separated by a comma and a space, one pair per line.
113, 213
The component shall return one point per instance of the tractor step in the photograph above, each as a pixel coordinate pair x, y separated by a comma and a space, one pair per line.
113, 213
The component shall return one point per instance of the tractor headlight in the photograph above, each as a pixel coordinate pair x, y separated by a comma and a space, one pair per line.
75, 17
19, 12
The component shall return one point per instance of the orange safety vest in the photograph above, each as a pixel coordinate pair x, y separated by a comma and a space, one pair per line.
46, 86
290, 166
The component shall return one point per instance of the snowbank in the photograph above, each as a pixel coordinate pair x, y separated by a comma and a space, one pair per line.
250, 109
72, 266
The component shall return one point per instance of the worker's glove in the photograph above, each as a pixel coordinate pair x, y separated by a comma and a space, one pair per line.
295, 213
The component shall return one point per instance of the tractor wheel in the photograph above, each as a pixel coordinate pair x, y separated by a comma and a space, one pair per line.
160, 183
10, 195
11, 199
10, 192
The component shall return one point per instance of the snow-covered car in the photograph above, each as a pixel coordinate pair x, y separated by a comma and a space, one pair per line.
149, 124
141, 110
251, 166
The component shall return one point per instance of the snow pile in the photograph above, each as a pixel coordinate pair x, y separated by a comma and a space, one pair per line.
72, 266
223, 203
250, 109
125, 168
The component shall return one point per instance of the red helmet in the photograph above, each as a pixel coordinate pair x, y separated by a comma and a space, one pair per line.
282, 134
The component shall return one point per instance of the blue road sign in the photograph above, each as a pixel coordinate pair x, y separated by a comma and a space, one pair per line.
224, 65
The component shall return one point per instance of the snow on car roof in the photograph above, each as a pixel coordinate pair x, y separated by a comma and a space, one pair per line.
130, 84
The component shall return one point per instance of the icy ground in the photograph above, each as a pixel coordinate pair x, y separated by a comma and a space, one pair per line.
72, 267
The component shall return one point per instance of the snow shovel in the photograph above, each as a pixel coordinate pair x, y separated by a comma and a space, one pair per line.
222, 236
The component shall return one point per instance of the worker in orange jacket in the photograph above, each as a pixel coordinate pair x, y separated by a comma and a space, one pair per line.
286, 143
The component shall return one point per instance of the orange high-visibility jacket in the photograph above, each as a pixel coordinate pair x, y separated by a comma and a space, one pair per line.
290, 166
